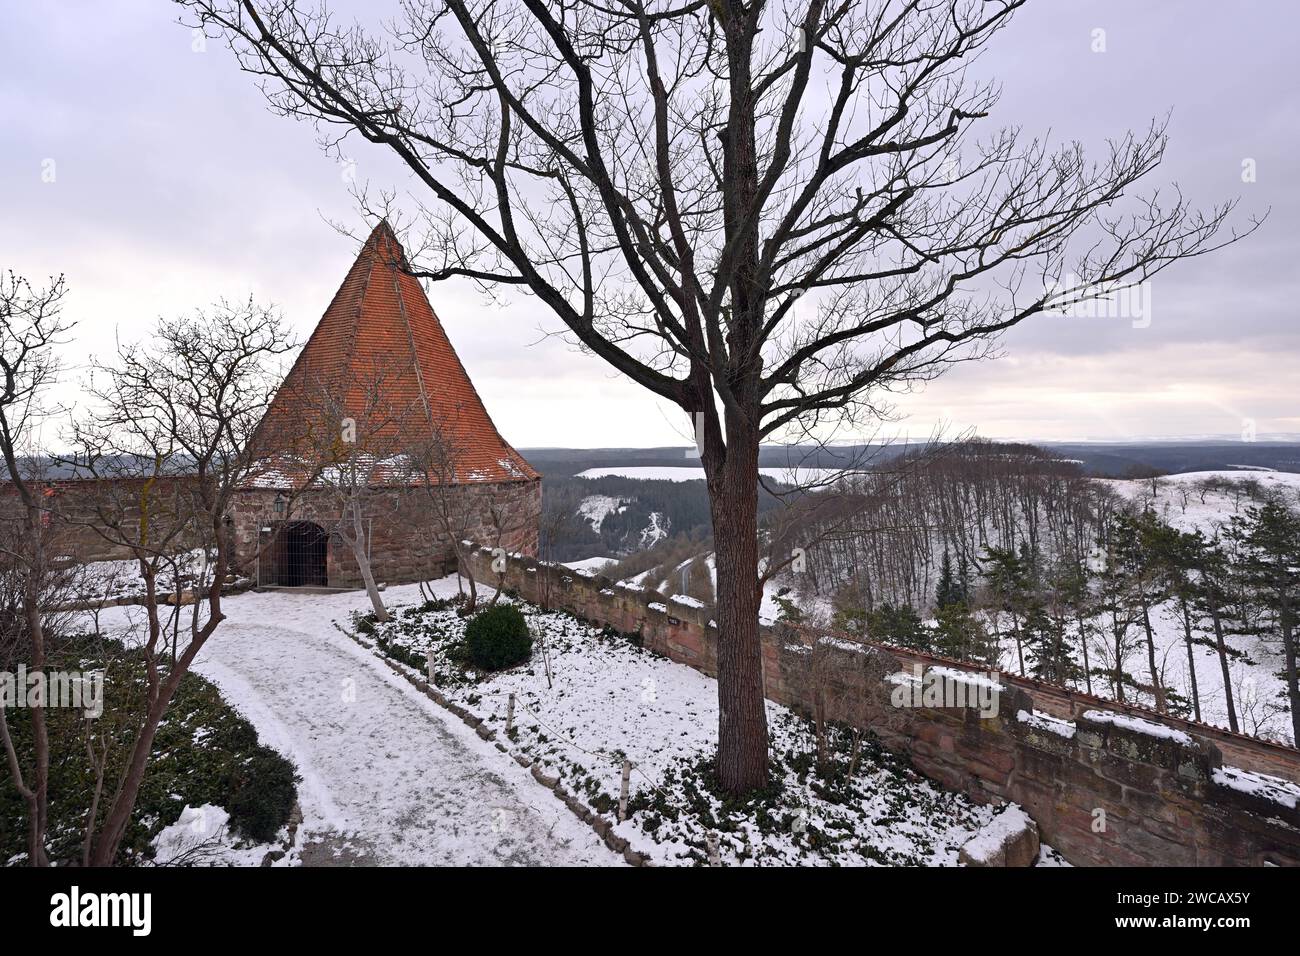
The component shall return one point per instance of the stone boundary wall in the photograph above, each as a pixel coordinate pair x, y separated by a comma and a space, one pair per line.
73, 510
1107, 783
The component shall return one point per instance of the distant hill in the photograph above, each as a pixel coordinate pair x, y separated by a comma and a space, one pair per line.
1106, 460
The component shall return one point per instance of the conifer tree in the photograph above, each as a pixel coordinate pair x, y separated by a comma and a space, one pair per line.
1072, 586
898, 624
1047, 624
1006, 583
1215, 600
1269, 566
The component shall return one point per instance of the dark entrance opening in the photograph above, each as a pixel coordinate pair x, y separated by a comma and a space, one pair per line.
300, 552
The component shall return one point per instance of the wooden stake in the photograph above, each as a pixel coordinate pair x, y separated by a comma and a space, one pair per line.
622, 797
429, 657
715, 857
510, 714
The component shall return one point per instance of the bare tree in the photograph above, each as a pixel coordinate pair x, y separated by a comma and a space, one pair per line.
844, 679
169, 433
31, 328
452, 508
347, 450
768, 214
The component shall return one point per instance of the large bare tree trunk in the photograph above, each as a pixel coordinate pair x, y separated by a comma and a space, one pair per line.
742, 716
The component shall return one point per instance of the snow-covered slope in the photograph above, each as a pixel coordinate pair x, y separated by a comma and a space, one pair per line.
1205, 500
595, 508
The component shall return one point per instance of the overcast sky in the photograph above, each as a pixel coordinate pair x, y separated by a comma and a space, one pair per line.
173, 186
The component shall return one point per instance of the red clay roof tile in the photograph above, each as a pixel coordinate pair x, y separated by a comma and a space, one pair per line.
380, 316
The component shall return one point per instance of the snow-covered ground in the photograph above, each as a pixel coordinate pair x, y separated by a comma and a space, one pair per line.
654, 532
606, 699
202, 836
111, 580
1205, 500
595, 508
591, 564
388, 777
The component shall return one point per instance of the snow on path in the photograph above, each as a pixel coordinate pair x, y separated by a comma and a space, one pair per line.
388, 777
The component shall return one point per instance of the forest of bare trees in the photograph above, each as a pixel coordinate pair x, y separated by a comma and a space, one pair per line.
886, 533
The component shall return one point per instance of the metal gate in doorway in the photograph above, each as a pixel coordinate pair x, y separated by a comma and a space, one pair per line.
299, 557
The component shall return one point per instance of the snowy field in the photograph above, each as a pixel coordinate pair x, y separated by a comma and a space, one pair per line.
594, 565
596, 508
696, 473
1182, 501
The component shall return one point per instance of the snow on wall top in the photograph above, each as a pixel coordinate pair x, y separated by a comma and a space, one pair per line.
1138, 725
986, 844
966, 677
1282, 792
1041, 721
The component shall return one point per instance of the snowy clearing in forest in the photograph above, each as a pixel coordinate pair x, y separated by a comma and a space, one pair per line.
595, 508
1205, 500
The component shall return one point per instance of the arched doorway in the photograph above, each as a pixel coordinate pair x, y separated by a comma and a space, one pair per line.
301, 548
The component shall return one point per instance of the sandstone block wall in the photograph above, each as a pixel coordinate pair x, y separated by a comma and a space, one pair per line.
405, 543
1106, 783
75, 508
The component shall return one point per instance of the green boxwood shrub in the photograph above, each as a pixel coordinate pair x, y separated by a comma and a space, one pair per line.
497, 638
262, 800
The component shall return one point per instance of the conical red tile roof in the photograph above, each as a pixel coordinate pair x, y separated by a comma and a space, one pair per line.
380, 318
